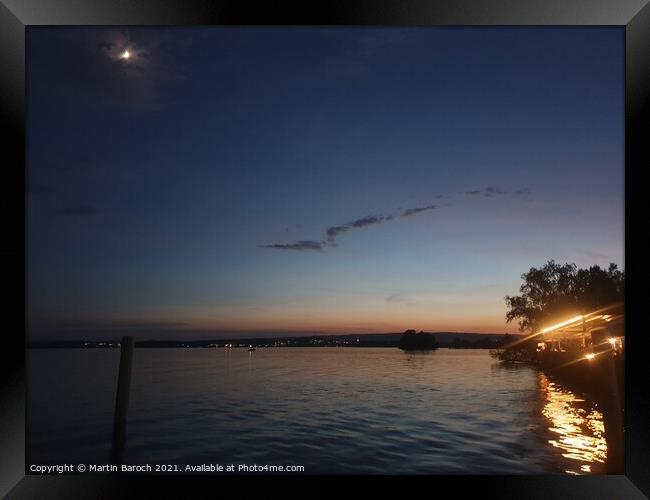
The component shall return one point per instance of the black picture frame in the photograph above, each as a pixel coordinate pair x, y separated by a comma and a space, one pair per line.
634, 15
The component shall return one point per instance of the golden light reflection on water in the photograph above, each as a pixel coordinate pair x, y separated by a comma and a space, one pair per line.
578, 429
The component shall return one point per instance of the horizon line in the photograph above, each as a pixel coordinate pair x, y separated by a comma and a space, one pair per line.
285, 336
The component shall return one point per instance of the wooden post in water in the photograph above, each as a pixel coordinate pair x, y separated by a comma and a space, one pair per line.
122, 399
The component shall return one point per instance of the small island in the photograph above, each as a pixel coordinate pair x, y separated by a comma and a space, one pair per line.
422, 341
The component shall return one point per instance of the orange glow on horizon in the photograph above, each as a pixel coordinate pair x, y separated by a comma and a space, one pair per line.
343, 326
335, 315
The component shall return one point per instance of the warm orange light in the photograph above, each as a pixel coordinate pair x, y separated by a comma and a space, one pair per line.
578, 430
570, 322
590, 356
575, 319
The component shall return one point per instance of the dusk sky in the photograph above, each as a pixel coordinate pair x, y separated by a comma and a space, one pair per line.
184, 182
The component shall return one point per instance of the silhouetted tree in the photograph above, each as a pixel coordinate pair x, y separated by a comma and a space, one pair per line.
556, 290
411, 341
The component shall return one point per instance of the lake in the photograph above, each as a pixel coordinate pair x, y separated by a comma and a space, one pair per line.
332, 410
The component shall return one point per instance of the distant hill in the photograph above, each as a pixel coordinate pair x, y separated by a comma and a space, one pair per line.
440, 336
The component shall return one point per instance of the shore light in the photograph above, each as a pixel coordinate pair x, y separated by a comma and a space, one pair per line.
563, 323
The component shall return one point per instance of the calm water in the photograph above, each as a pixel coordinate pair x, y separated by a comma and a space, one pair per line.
332, 410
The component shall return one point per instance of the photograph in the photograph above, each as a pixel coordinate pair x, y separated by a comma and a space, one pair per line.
325, 250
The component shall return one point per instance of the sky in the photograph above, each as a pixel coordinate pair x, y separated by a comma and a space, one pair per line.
242, 180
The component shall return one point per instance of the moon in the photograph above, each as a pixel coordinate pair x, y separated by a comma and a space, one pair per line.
125, 55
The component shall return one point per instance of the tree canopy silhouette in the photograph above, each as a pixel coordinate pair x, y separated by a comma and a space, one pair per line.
557, 290
411, 341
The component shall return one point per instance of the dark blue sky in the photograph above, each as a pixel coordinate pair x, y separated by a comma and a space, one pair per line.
191, 186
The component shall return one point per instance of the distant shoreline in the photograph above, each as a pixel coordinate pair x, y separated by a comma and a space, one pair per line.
461, 340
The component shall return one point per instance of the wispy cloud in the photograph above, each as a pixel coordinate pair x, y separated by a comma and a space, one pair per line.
369, 220
417, 210
80, 211
332, 233
492, 191
298, 245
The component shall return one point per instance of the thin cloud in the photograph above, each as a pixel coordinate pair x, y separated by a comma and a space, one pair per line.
369, 220
417, 210
79, 211
332, 233
492, 191
299, 245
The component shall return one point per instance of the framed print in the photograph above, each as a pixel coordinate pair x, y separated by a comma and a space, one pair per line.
369, 240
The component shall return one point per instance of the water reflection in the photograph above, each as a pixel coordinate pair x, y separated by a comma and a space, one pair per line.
577, 427
333, 410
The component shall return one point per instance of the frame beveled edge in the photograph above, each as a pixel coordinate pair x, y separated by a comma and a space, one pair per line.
637, 159
15, 15
12, 365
